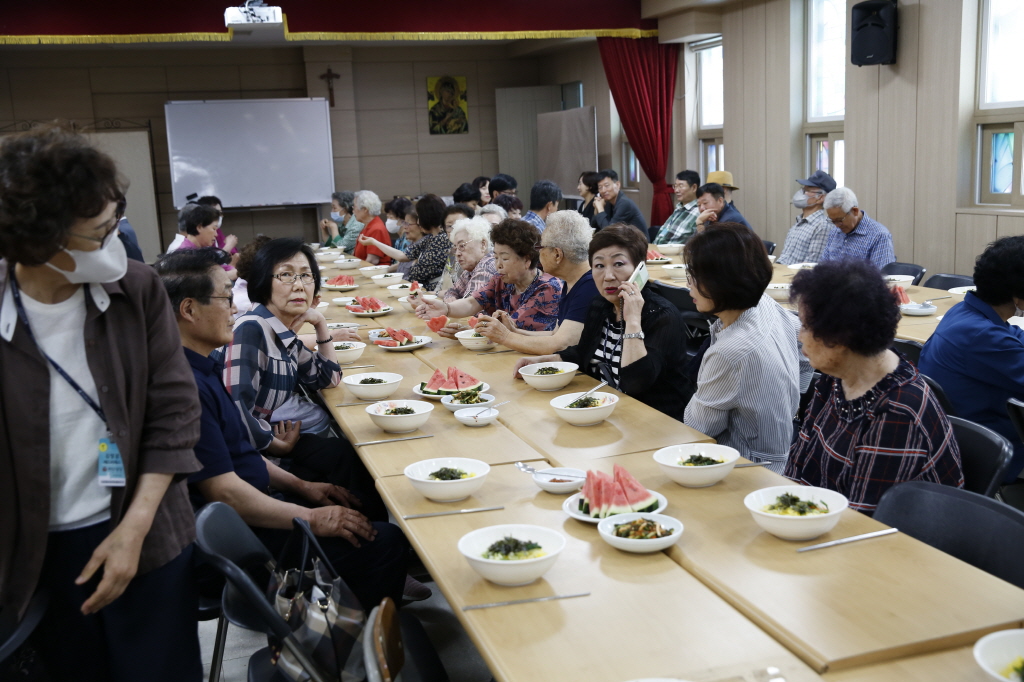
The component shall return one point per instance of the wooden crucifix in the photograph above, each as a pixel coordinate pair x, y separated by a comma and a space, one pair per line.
330, 77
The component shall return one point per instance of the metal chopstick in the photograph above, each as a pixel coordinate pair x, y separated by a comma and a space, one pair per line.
391, 440
751, 464
452, 511
524, 601
360, 402
493, 352
854, 538
344, 367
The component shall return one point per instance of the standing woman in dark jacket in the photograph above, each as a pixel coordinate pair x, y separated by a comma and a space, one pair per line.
631, 338
98, 417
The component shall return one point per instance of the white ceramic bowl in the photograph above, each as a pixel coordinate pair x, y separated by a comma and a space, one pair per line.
901, 280
670, 249
606, 529
349, 355
962, 290
343, 300
696, 476
675, 272
400, 423
447, 491
328, 256
796, 527
371, 270
471, 342
446, 400
543, 480
780, 292
404, 301
771, 259
585, 416
511, 573
476, 417
313, 245
995, 651
549, 382
387, 278
372, 391
399, 289
918, 309
346, 263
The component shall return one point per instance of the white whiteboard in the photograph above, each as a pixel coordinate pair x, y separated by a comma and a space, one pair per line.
251, 152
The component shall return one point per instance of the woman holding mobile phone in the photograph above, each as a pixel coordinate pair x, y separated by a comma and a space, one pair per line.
631, 336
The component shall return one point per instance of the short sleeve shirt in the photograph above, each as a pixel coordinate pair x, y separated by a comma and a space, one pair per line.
536, 309
575, 302
376, 229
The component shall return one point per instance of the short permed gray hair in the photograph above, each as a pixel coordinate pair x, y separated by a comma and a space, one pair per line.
344, 199
368, 200
494, 208
841, 197
570, 232
475, 228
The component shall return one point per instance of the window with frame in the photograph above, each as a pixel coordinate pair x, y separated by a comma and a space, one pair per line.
999, 114
826, 60
630, 166
827, 152
710, 104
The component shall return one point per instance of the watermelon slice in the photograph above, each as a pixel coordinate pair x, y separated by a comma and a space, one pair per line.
586, 493
473, 321
437, 323
415, 286
386, 342
640, 498
617, 503
342, 280
450, 386
355, 308
433, 386
376, 303
465, 382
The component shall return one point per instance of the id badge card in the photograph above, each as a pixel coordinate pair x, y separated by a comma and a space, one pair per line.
111, 466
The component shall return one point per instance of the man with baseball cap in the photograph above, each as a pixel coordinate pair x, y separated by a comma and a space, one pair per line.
806, 239
723, 178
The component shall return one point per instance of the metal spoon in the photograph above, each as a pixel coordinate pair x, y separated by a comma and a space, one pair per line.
929, 301
527, 469
477, 414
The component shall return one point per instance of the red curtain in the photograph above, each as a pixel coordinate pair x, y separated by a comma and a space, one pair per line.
642, 77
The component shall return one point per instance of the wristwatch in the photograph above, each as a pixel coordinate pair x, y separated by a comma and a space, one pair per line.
638, 335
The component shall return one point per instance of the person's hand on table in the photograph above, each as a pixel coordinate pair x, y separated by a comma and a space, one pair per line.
286, 435
118, 554
341, 522
431, 308
449, 330
492, 328
327, 494
505, 319
345, 335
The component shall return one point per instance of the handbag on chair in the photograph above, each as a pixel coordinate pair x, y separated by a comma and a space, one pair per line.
323, 613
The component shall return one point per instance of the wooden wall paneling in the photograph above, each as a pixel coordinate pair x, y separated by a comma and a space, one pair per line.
752, 174
973, 233
860, 129
784, 98
967, 76
734, 136
937, 114
1009, 226
897, 136
517, 110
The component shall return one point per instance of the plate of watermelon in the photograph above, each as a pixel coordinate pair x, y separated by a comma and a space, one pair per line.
603, 496
368, 306
399, 339
656, 257
450, 383
341, 283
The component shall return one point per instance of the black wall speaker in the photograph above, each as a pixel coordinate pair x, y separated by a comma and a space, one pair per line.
873, 34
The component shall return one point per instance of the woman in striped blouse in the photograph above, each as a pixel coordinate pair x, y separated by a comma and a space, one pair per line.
751, 377
631, 338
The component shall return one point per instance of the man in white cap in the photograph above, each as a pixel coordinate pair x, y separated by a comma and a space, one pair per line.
806, 239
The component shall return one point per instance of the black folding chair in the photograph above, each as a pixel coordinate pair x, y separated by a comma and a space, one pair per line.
698, 324
911, 349
945, 281
905, 269
971, 527
769, 247
940, 395
14, 632
984, 454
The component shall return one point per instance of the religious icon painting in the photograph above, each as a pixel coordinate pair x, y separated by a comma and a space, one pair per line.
446, 104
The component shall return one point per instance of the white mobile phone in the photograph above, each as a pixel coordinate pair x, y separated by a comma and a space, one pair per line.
640, 275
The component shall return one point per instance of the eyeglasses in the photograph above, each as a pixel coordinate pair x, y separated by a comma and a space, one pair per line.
122, 203
461, 246
289, 278
225, 298
689, 279
839, 222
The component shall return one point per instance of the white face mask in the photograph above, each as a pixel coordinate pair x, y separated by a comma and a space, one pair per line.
335, 216
392, 225
1017, 312
799, 199
108, 263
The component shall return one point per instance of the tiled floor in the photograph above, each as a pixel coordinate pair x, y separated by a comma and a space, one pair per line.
461, 659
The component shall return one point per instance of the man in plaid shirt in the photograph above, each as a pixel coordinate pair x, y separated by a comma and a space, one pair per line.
682, 224
806, 239
855, 235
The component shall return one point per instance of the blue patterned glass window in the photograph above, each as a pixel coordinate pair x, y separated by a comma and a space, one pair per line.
1002, 163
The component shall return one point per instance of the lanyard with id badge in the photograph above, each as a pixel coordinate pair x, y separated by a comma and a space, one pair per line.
110, 467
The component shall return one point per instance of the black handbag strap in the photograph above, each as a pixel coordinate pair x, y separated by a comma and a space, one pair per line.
301, 532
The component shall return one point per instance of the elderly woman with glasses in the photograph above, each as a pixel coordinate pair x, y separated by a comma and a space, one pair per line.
564, 253
631, 337
100, 415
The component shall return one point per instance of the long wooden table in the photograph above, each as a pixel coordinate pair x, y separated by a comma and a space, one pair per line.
676, 614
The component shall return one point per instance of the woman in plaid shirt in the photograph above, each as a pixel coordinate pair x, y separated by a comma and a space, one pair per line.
873, 421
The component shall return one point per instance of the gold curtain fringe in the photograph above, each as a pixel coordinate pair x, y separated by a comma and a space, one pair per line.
489, 35
115, 39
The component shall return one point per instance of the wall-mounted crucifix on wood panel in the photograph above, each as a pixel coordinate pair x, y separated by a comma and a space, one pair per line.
330, 77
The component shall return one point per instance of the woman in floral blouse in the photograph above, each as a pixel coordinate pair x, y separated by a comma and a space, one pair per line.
430, 253
520, 288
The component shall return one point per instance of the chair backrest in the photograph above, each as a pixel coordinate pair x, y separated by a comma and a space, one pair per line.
769, 247
976, 529
230, 545
387, 641
905, 269
14, 632
943, 399
652, 232
984, 454
369, 652
1016, 410
910, 349
947, 281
